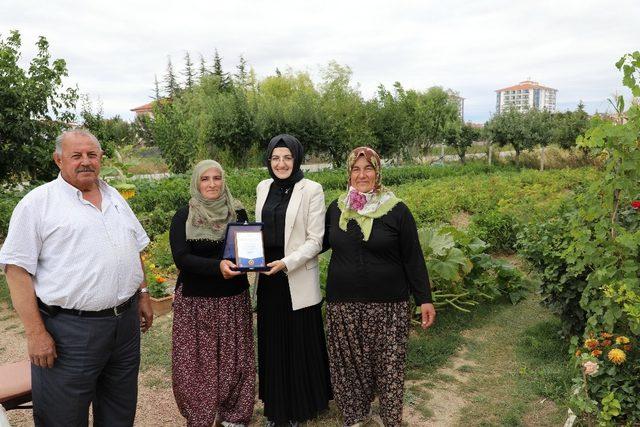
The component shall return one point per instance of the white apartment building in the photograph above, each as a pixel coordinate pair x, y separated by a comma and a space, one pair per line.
526, 95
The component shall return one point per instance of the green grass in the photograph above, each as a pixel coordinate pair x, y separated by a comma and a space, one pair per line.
155, 357
429, 350
521, 376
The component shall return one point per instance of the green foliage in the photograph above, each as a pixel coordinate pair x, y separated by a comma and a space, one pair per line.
112, 133
230, 119
461, 136
497, 228
544, 246
462, 273
34, 108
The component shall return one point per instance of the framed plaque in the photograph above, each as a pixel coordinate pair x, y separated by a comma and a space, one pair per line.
243, 245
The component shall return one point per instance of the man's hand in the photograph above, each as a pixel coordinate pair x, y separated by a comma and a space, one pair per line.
428, 315
226, 269
41, 348
145, 311
275, 267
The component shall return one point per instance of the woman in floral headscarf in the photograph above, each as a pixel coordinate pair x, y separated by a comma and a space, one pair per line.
376, 262
213, 356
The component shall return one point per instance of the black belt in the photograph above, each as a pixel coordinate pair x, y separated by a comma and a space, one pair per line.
53, 310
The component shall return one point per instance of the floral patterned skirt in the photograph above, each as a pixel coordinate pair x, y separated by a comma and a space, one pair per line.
367, 345
213, 358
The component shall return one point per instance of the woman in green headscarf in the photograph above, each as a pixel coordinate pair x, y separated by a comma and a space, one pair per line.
213, 354
376, 263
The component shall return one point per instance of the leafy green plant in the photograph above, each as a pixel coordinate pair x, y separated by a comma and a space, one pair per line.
461, 272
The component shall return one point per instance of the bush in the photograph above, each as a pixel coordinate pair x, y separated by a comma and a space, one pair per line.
498, 229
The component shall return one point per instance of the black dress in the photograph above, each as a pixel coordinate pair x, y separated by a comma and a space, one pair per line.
293, 366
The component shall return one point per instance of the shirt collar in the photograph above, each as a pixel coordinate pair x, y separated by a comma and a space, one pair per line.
74, 192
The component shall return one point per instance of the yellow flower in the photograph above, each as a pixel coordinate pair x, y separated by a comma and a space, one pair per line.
622, 340
617, 356
606, 335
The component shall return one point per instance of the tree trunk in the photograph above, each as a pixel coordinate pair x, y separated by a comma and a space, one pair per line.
490, 152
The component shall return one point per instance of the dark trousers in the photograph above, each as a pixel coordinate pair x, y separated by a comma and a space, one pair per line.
98, 362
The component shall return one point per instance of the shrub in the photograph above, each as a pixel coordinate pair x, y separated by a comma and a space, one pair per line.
498, 229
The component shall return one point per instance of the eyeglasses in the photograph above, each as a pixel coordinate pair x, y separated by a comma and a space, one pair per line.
276, 159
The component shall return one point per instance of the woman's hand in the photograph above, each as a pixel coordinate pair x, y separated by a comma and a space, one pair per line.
275, 267
428, 315
226, 269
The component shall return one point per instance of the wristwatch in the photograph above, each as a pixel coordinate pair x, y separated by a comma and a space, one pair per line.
144, 290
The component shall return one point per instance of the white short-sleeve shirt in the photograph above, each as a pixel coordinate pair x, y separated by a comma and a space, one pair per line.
79, 256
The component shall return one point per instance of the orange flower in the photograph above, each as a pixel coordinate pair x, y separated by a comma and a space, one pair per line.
596, 353
627, 347
617, 356
160, 280
606, 335
591, 343
606, 343
578, 353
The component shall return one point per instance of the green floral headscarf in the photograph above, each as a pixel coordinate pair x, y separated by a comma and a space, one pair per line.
208, 219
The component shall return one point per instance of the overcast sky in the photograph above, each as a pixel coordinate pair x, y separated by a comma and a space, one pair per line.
114, 48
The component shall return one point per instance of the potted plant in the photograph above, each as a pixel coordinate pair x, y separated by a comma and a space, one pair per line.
161, 298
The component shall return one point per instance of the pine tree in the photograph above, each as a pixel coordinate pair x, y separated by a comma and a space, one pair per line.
156, 88
170, 83
241, 76
223, 77
188, 73
203, 67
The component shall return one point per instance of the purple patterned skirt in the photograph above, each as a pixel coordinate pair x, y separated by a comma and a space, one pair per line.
213, 358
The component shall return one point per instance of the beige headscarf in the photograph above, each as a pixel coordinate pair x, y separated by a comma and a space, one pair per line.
208, 219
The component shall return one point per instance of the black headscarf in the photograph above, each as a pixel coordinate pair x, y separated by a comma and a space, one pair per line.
292, 143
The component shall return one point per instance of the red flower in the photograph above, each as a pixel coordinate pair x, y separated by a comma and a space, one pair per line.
606, 343
635, 204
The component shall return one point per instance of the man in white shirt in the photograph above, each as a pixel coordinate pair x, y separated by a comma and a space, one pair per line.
72, 261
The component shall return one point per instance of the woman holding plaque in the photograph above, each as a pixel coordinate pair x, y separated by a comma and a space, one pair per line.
293, 369
376, 262
213, 354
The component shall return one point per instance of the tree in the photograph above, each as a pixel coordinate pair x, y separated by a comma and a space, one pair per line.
170, 82
156, 87
461, 136
189, 74
223, 78
569, 125
203, 67
111, 133
507, 128
34, 107
538, 131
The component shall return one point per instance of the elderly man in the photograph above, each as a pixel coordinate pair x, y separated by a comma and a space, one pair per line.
72, 260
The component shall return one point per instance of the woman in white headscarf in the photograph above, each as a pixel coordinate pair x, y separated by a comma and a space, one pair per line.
213, 354
376, 263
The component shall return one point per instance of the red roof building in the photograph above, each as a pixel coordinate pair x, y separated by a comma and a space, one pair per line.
525, 96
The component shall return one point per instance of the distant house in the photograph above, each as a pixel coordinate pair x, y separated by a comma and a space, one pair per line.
525, 96
144, 110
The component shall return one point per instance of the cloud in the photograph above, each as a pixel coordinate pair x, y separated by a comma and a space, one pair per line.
114, 49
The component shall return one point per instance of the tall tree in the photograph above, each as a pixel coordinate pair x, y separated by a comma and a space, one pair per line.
203, 67
170, 82
242, 75
223, 78
34, 108
189, 74
156, 88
